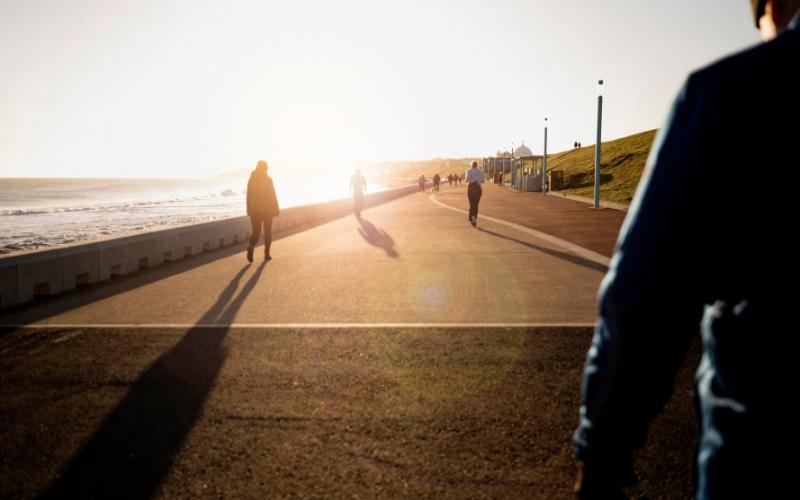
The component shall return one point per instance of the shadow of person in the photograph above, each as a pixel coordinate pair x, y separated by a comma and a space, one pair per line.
136, 444
376, 237
555, 253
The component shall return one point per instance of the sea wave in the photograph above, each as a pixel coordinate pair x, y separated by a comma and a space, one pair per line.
102, 207
27, 241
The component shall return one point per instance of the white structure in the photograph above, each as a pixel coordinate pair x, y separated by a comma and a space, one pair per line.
522, 151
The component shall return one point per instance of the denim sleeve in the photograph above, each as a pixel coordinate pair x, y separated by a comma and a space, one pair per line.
649, 305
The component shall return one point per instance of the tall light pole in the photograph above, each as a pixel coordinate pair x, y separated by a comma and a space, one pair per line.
544, 160
597, 147
511, 168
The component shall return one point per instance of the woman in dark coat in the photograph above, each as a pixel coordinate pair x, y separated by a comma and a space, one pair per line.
262, 206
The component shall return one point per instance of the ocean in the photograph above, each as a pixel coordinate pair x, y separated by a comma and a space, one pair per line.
39, 213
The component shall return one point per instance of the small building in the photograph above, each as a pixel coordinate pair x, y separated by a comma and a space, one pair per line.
526, 172
521, 168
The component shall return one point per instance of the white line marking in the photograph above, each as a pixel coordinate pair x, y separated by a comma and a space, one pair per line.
304, 325
571, 247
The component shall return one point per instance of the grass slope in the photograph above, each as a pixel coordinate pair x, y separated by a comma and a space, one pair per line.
622, 164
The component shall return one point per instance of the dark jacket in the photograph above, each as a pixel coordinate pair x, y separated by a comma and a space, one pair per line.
261, 199
705, 247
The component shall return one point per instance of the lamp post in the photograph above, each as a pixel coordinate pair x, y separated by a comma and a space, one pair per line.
544, 160
511, 168
597, 147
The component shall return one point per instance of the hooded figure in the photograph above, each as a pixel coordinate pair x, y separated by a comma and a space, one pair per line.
262, 206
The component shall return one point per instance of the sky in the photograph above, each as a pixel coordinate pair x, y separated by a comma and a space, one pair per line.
114, 88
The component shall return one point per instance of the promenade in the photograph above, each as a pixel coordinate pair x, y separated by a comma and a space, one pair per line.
403, 354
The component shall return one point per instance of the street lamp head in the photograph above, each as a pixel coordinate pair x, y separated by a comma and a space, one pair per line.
599, 88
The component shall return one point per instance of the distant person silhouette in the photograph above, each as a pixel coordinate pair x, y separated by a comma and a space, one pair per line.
450, 179
474, 178
436, 180
421, 183
694, 256
262, 206
358, 184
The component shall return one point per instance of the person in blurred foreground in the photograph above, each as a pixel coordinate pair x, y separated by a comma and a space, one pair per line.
474, 178
262, 206
694, 255
358, 184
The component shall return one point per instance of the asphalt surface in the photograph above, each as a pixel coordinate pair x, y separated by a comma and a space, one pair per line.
380, 389
303, 412
570, 220
407, 261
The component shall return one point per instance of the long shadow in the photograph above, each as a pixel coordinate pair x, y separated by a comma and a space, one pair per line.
555, 253
376, 237
132, 450
45, 307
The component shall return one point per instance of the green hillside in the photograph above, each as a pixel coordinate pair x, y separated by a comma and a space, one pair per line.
622, 164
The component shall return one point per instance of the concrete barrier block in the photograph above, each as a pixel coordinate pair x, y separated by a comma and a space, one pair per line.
169, 246
39, 273
220, 231
114, 258
191, 241
231, 231
207, 236
243, 229
142, 252
80, 265
9, 282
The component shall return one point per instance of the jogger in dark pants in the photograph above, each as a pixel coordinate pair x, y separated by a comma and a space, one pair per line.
474, 192
474, 178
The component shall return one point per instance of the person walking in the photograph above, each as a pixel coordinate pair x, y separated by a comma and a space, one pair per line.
262, 206
436, 180
474, 179
692, 258
421, 183
358, 184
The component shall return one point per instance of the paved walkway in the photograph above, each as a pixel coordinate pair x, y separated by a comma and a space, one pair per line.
397, 356
408, 261
579, 223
